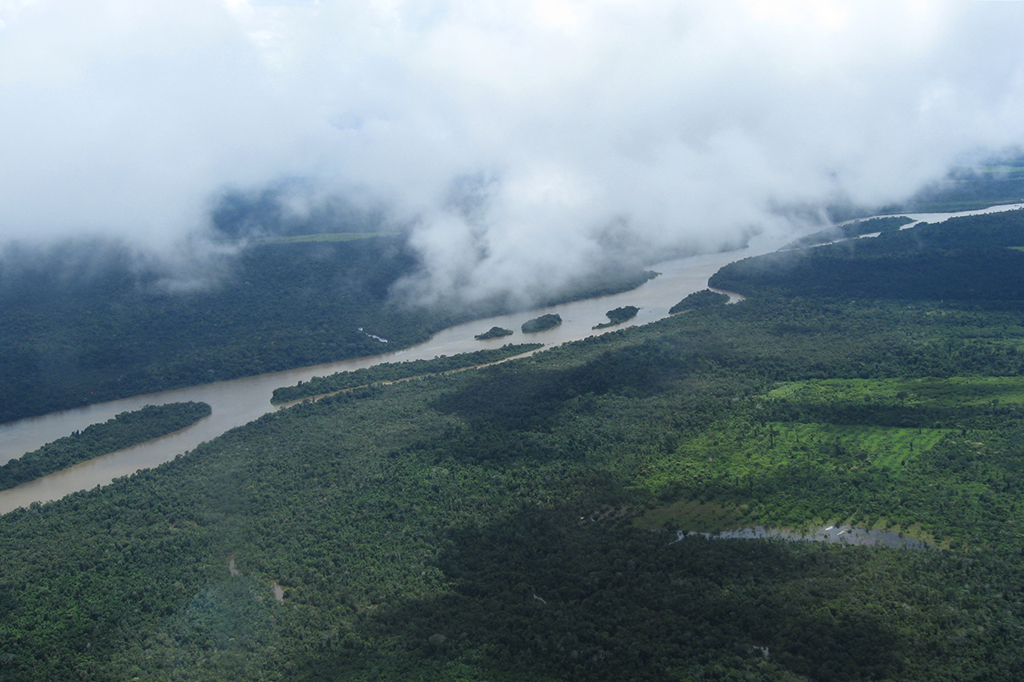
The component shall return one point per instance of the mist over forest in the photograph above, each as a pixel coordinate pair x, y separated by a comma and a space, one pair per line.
813, 471
556, 516
512, 142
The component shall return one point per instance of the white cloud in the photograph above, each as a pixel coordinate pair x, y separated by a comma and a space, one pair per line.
675, 123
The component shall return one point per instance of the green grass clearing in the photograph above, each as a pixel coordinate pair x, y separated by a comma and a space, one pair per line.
742, 449
951, 392
822, 433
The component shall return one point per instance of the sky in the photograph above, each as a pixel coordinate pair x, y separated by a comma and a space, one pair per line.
516, 140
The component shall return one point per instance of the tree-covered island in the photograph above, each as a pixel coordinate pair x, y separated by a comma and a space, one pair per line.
704, 298
396, 371
542, 323
493, 333
618, 316
123, 431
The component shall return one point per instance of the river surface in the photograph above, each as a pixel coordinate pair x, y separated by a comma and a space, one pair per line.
240, 401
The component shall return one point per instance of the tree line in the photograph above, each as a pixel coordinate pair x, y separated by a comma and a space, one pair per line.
123, 431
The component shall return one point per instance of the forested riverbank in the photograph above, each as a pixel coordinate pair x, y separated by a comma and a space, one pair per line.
977, 260
86, 323
520, 522
239, 401
494, 524
397, 371
123, 431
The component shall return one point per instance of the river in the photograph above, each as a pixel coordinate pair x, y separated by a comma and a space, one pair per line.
239, 401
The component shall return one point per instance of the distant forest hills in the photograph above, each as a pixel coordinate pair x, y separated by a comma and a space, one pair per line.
531, 521
85, 323
975, 259
963, 189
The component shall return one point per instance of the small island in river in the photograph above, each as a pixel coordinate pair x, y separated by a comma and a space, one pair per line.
123, 431
618, 316
493, 333
542, 323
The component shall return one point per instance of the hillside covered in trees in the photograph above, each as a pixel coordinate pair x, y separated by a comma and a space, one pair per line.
523, 521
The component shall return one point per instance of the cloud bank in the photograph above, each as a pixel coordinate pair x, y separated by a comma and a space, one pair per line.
518, 140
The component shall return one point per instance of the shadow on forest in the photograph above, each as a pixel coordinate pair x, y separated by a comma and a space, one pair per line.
552, 597
532, 398
511, 414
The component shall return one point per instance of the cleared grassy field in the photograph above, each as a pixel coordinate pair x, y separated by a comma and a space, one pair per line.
741, 448
756, 445
951, 392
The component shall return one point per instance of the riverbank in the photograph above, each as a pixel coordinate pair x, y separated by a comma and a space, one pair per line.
237, 402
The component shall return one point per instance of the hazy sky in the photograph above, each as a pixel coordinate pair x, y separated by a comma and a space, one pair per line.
521, 139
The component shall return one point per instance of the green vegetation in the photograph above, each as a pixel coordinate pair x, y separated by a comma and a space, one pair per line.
411, 525
850, 230
700, 299
962, 259
618, 316
395, 371
542, 323
517, 522
86, 323
493, 333
123, 431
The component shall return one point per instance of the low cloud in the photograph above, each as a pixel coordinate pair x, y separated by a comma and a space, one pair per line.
517, 142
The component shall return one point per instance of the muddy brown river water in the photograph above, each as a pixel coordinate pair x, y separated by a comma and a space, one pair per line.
240, 401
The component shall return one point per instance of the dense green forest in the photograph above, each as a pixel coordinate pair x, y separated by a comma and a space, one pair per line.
542, 323
86, 323
394, 371
977, 260
518, 522
618, 316
476, 524
123, 431
705, 298
854, 228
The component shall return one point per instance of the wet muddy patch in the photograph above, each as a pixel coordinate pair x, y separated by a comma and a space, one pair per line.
838, 535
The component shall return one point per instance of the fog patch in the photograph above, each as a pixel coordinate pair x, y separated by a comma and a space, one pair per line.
520, 147
194, 264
